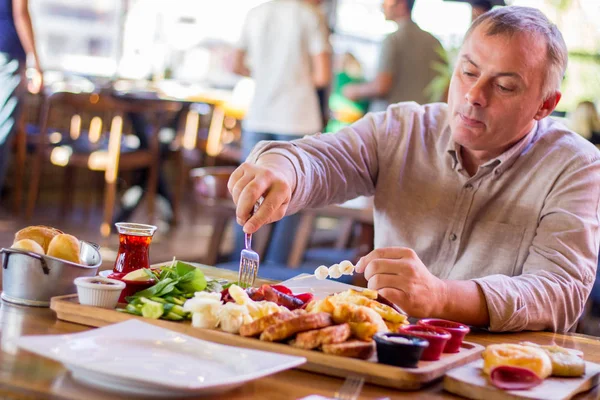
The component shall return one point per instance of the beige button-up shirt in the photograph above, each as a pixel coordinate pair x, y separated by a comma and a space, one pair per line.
525, 227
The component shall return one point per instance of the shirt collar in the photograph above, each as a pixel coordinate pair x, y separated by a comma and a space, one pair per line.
501, 163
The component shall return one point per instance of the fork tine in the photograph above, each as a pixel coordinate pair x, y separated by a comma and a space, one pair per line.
351, 388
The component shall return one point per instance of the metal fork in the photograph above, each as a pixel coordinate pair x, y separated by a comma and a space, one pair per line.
249, 259
351, 388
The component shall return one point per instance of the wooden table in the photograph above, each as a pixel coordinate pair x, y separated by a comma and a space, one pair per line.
24, 375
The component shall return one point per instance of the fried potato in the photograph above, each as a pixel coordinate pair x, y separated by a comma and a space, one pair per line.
363, 330
257, 327
351, 348
365, 298
317, 337
301, 323
346, 312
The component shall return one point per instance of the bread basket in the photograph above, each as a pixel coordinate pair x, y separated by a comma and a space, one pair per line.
32, 279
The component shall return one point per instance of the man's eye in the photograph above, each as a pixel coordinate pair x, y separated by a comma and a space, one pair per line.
467, 73
504, 88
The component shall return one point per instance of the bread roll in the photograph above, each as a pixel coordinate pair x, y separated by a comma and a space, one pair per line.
39, 233
65, 247
516, 355
28, 245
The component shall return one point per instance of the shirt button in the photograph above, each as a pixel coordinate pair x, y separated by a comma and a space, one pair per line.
468, 186
453, 237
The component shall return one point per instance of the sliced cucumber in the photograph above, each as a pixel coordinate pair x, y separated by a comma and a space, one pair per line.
152, 309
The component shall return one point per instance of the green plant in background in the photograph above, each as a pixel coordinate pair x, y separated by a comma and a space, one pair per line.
437, 88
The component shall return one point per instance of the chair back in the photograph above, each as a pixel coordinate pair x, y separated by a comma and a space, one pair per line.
210, 186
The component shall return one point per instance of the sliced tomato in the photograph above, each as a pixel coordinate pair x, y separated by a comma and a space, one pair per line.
117, 275
283, 289
304, 297
507, 377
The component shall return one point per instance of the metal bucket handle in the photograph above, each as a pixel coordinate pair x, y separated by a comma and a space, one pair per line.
39, 257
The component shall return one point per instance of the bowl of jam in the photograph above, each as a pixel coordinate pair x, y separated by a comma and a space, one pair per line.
437, 338
457, 331
98, 291
399, 349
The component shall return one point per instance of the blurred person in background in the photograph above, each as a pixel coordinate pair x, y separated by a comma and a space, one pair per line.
343, 110
586, 121
405, 66
322, 91
479, 7
17, 44
283, 49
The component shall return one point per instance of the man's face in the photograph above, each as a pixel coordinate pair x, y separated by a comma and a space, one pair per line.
388, 7
496, 91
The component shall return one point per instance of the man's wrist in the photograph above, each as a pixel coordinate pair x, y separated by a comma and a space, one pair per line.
443, 303
282, 164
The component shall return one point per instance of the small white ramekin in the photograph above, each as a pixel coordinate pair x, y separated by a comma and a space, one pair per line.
98, 291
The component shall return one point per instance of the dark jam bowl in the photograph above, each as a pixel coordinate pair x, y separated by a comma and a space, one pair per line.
456, 329
437, 338
399, 354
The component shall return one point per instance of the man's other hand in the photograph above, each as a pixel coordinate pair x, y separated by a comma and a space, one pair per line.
399, 275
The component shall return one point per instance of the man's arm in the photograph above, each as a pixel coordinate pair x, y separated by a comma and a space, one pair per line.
331, 168
25, 32
239, 63
560, 268
377, 88
25, 29
382, 84
321, 64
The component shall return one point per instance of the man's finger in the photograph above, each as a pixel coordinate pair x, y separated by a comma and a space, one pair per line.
396, 296
392, 253
272, 209
235, 176
239, 186
248, 198
385, 266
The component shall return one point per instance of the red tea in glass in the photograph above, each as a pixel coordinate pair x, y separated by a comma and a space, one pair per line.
134, 246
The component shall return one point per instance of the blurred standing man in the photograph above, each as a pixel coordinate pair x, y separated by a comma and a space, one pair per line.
405, 62
16, 44
282, 47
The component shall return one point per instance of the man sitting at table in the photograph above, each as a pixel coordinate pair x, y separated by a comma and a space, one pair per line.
486, 210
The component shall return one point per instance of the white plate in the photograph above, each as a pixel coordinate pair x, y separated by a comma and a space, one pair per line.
308, 283
134, 357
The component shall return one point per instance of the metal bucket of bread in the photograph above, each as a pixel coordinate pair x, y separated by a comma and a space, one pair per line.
42, 263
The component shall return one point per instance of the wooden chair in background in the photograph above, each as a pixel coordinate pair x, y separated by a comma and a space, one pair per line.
98, 148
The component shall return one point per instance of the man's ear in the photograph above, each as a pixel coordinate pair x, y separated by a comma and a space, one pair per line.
548, 105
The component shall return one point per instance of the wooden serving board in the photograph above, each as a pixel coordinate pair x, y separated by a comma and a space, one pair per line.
68, 308
469, 381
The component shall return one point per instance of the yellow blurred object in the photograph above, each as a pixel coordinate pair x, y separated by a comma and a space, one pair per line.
65, 247
516, 355
565, 362
28, 245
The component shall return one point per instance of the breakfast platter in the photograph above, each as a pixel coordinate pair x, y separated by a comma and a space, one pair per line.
67, 308
312, 322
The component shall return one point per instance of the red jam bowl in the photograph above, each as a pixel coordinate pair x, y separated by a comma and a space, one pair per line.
456, 329
131, 287
437, 338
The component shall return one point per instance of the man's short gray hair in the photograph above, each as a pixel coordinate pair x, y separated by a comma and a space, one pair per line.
514, 19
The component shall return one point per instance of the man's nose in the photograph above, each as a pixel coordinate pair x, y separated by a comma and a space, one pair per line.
476, 96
